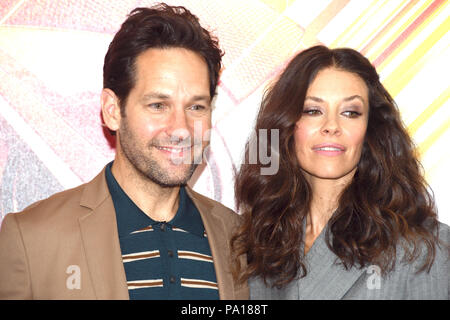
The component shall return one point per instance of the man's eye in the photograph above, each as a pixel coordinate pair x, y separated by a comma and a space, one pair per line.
198, 107
156, 106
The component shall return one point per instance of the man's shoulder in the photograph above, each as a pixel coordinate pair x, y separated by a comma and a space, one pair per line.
61, 203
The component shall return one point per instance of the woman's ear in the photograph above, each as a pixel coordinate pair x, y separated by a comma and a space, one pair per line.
110, 109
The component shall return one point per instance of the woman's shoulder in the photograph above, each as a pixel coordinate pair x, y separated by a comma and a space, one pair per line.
263, 290
443, 247
444, 232
421, 250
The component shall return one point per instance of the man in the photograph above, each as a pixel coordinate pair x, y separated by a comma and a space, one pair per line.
136, 230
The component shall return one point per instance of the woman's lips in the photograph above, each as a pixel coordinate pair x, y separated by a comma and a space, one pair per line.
329, 149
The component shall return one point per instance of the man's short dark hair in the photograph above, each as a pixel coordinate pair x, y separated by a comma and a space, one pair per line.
161, 26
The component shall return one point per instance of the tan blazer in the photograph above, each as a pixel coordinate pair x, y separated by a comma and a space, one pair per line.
74, 234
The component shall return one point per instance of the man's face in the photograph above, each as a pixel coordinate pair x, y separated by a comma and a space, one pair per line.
170, 98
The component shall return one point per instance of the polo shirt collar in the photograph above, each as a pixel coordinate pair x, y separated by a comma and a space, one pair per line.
188, 217
131, 218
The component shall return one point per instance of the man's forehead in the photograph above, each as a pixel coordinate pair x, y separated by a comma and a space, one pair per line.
165, 73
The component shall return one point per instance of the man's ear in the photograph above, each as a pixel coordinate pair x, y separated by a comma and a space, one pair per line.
110, 109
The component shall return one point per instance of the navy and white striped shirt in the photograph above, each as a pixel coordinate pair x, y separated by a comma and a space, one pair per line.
163, 260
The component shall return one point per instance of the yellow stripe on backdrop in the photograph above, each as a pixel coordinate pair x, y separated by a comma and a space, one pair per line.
409, 67
310, 36
343, 38
412, 58
433, 137
420, 50
388, 27
378, 21
278, 5
429, 111
396, 30
376, 33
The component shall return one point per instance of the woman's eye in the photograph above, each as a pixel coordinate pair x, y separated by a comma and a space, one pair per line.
352, 114
312, 112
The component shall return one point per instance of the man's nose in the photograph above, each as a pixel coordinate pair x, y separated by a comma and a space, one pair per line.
178, 127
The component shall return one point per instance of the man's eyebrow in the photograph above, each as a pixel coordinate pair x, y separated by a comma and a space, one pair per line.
155, 95
200, 98
163, 96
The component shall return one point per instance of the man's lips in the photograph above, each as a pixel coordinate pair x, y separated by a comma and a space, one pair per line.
174, 149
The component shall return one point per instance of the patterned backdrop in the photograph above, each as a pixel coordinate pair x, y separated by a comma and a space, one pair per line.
51, 58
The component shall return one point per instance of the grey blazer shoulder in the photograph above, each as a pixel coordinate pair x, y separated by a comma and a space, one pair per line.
328, 280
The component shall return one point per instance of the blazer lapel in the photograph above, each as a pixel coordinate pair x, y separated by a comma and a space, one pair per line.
218, 243
326, 279
101, 241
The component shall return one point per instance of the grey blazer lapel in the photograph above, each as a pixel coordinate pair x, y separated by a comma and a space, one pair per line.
327, 278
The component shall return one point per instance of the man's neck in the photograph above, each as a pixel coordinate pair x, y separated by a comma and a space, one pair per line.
157, 202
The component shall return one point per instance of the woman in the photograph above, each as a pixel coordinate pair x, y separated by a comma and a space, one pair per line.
348, 214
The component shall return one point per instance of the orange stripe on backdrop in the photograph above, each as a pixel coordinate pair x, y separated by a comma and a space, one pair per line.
388, 26
408, 68
388, 52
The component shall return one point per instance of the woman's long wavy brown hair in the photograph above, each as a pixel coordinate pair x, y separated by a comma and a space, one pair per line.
386, 202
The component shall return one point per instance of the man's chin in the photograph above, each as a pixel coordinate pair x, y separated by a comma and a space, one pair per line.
171, 179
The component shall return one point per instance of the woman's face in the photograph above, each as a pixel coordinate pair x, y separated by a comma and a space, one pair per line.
329, 136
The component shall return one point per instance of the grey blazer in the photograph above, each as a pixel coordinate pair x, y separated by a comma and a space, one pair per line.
327, 280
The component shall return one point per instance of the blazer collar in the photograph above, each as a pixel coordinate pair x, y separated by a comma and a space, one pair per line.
327, 279
101, 241
220, 248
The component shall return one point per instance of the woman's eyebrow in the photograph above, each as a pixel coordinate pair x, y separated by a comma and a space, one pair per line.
316, 99
356, 96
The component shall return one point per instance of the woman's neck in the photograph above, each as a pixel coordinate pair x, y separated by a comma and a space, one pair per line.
325, 200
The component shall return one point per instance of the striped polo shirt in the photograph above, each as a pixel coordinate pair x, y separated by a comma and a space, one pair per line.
163, 260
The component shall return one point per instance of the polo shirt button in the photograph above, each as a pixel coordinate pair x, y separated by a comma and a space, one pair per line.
172, 279
170, 253
163, 227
